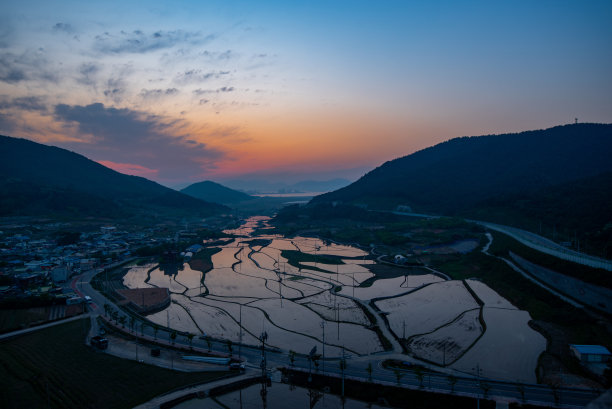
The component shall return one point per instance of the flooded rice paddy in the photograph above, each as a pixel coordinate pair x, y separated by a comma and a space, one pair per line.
252, 288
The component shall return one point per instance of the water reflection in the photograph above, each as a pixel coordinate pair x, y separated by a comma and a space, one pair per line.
252, 287
278, 396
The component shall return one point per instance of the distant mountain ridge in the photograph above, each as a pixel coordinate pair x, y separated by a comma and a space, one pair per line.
215, 192
261, 186
37, 179
560, 177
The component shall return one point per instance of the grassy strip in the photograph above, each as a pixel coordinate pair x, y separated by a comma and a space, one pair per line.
202, 260
54, 368
502, 244
295, 258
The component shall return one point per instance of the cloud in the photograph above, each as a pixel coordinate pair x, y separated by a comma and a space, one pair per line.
130, 169
139, 42
87, 72
126, 136
201, 91
218, 55
32, 103
116, 86
63, 28
7, 123
196, 75
29, 65
157, 93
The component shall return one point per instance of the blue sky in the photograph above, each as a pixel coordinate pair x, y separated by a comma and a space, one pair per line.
184, 91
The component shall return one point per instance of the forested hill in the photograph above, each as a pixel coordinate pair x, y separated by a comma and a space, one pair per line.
558, 176
454, 175
214, 192
41, 180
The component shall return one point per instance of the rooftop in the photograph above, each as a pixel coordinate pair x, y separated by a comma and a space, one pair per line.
591, 349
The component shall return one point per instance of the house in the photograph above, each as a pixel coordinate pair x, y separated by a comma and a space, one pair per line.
591, 353
60, 274
194, 248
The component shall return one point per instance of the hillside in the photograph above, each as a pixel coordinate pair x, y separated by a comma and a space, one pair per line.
214, 192
37, 179
556, 176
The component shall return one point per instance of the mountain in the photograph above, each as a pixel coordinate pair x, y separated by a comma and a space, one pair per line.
214, 192
37, 179
454, 175
559, 176
306, 186
319, 185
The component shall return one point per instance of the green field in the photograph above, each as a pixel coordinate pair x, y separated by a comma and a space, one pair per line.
11, 320
54, 368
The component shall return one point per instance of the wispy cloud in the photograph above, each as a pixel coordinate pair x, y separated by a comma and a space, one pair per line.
197, 75
158, 93
139, 42
63, 28
201, 91
129, 136
32, 103
88, 72
28, 65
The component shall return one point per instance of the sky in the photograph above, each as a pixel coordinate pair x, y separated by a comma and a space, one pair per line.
185, 91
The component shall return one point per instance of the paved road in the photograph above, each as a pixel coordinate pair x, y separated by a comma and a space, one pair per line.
536, 242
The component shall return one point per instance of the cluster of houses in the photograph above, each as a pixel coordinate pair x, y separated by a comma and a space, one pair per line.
33, 262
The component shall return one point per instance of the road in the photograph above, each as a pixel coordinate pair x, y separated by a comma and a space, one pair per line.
536, 242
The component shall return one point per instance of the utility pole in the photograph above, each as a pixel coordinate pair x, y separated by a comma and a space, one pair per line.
342, 366
323, 326
263, 338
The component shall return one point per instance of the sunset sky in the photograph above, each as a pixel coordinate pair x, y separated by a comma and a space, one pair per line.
184, 91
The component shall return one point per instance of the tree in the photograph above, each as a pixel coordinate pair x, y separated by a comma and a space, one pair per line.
555, 392
173, 336
190, 339
521, 388
122, 320
485, 388
107, 308
418, 371
315, 361
229, 344
452, 379
115, 315
208, 342
292, 357
398, 376
369, 370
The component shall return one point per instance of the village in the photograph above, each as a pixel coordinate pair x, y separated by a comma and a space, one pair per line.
39, 259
